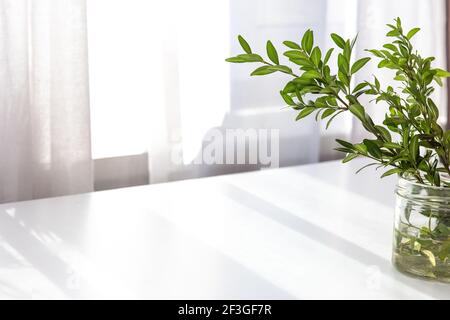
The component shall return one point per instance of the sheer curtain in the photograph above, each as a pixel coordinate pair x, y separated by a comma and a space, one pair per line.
44, 101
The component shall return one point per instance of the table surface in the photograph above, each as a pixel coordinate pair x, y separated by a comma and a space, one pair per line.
306, 232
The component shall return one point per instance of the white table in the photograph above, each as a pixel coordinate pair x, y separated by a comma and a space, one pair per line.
315, 231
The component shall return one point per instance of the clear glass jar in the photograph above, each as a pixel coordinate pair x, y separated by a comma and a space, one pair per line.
422, 230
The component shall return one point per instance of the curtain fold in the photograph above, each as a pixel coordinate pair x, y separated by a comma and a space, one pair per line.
44, 102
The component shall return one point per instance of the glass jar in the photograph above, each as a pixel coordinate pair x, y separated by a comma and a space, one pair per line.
422, 230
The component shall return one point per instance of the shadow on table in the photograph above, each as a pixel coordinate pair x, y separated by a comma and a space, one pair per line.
9, 262
20, 231
8, 291
20, 237
366, 183
329, 239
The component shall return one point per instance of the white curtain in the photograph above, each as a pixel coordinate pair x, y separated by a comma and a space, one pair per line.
44, 101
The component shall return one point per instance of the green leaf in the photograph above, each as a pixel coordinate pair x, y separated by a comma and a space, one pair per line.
447, 136
360, 86
261, 71
327, 113
359, 64
430, 257
344, 78
391, 47
272, 53
391, 145
328, 55
343, 63
287, 99
350, 157
383, 63
434, 111
442, 73
373, 148
414, 148
384, 133
377, 83
399, 78
244, 44
345, 143
354, 41
345, 150
368, 124
393, 33
294, 54
292, 45
290, 87
281, 68
412, 32
376, 53
366, 166
303, 81
331, 100
311, 74
347, 50
437, 179
316, 56
235, 60
308, 41
338, 40
438, 81
391, 172
391, 26
361, 148
251, 57
443, 229
358, 111
305, 112
445, 250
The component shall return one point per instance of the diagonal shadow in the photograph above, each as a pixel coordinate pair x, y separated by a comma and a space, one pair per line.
333, 241
55, 269
36, 253
10, 291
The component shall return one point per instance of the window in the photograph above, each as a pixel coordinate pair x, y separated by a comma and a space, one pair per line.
157, 71
120, 66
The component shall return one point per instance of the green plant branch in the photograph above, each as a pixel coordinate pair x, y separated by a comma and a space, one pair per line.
412, 115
